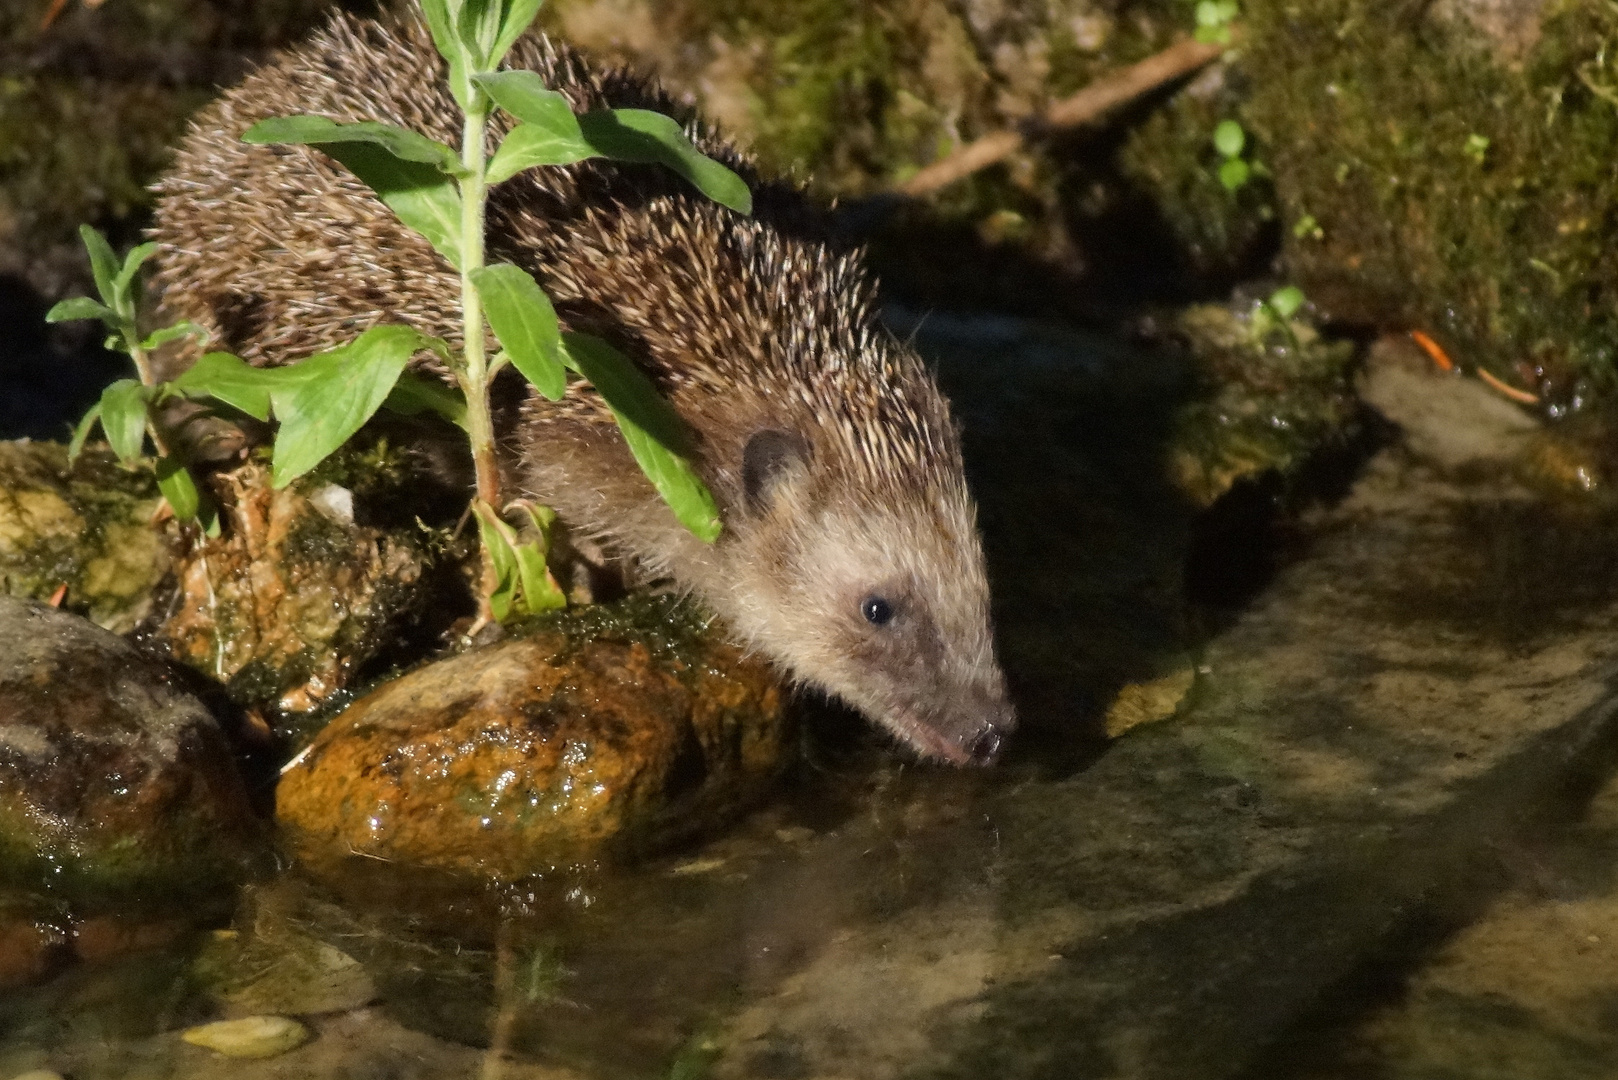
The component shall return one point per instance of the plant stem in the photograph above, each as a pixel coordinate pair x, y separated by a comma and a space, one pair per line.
474, 374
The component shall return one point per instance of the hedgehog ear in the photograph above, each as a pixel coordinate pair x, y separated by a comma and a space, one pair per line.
769, 458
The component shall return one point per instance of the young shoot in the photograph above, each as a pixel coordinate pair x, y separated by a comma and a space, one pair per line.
441, 192
128, 408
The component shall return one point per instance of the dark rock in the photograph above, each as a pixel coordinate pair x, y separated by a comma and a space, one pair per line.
548, 751
113, 781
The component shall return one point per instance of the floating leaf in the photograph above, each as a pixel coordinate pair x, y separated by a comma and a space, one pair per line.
645, 136
123, 418
651, 428
402, 143
413, 395
332, 395
525, 322
178, 330
80, 307
81, 432
230, 379
103, 266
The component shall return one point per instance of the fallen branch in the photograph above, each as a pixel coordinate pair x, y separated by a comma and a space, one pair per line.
1088, 105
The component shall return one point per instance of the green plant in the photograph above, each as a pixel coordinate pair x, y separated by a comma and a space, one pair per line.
441, 193
1213, 20
128, 409
1230, 140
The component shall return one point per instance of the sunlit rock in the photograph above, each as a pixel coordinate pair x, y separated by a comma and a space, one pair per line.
578, 742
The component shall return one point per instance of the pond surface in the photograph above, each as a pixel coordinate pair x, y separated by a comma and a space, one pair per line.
1384, 720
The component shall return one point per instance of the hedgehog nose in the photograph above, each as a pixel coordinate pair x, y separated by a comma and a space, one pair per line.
985, 746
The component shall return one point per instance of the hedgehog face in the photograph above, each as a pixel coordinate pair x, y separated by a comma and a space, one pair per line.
883, 602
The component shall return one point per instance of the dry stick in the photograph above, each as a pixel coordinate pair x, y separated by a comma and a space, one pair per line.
1089, 104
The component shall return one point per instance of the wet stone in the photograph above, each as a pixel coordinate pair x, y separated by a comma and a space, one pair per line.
112, 779
538, 753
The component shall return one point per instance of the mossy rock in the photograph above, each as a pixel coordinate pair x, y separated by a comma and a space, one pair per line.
1439, 167
86, 527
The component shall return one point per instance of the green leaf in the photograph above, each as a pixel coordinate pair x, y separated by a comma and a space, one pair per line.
525, 322
651, 427
524, 95
81, 307
1286, 301
539, 589
528, 145
123, 418
441, 24
498, 541
81, 432
230, 379
645, 136
132, 264
178, 330
333, 394
103, 265
1234, 173
1229, 138
518, 18
413, 395
402, 143
479, 24
424, 198
175, 482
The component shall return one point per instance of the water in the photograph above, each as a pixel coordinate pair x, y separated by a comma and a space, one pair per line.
1417, 681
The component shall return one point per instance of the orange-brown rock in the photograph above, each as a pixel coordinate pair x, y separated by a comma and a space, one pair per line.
539, 753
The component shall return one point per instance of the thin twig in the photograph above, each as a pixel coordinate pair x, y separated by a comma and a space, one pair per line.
1088, 105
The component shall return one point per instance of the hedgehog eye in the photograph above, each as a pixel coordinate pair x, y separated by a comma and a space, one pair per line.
876, 610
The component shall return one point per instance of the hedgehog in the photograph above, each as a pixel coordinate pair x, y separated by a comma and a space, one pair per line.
850, 555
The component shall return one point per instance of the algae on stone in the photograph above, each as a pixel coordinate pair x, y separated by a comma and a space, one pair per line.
86, 526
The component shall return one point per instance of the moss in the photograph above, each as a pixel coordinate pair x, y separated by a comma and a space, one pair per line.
1457, 187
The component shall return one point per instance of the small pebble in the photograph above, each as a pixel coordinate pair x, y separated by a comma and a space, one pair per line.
249, 1037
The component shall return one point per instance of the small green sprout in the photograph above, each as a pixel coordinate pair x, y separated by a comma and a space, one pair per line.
128, 409
1275, 312
1307, 228
1477, 148
1230, 140
1213, 20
